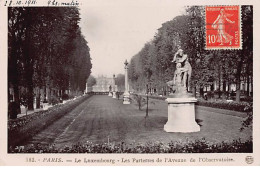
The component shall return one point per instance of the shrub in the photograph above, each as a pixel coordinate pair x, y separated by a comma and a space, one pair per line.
65, 97
247, 99
197, 146
210, 95
13, 110
248, 121
54, 100
141, 101
71, 96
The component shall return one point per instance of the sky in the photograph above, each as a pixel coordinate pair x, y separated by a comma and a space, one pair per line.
116, 30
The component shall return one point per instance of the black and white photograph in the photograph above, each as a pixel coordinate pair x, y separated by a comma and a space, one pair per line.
130, 77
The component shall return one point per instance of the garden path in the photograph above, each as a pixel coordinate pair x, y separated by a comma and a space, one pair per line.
104, 119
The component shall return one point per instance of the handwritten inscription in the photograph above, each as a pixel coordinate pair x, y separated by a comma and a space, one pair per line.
59, 3
54, 3
20, 2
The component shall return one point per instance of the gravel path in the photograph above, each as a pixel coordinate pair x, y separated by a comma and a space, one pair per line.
102, 119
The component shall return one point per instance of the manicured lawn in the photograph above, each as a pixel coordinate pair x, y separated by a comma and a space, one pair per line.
102, 119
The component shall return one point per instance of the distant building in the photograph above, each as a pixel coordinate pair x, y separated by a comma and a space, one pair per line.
88, 88
103, 83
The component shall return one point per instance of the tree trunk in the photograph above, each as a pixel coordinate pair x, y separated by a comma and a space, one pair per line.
17, 99
224, 85
251, 92
219, 82
30, 96
38, 98
201, 92
212, 87
48, 94
228, 86
29, 80
238, 81
238, 91
52, 93
29, 61
194, 91
13, 77
248, 81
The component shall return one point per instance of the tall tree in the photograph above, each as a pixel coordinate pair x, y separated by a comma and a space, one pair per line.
46, 51
91, 81
120, 82
225, 67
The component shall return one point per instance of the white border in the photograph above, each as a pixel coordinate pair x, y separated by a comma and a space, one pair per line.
19, 159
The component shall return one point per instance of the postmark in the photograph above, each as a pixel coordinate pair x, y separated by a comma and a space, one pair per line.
223, 27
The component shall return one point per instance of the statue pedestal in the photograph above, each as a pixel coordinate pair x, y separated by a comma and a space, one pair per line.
114, 95
181, 115
126, 98
109, 93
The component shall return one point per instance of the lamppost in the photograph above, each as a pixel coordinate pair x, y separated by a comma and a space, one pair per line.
147, 100
148, 90
114, 86
126, 93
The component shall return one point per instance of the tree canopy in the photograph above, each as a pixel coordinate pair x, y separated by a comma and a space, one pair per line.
153, 63
46, 49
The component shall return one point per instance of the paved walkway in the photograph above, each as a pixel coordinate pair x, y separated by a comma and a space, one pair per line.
103, 119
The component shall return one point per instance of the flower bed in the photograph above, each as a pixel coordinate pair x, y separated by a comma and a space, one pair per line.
21, 129
198, 146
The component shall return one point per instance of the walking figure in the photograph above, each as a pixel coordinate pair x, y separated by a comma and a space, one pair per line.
220, 25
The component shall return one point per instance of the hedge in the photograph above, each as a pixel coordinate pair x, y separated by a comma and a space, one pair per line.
221, 104
197, 146
24, 128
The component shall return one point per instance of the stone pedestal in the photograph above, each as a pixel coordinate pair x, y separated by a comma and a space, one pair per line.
181, 115
109, 93
114, 95
126, 98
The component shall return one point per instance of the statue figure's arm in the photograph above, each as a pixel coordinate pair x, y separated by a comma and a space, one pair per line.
183, 69
174, 58
214, 23
184, 57
229, 20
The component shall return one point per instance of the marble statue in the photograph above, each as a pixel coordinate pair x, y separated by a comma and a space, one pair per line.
182, 74
181, 104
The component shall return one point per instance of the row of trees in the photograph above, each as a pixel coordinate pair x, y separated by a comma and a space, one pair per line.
47, 53
120, 82
153, 63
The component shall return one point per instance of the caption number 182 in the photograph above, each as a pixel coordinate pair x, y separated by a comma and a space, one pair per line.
212, 38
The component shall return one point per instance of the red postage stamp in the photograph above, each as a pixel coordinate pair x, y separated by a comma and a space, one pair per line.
223, 27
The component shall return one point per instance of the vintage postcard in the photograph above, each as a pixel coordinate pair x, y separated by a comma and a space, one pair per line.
129, 82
